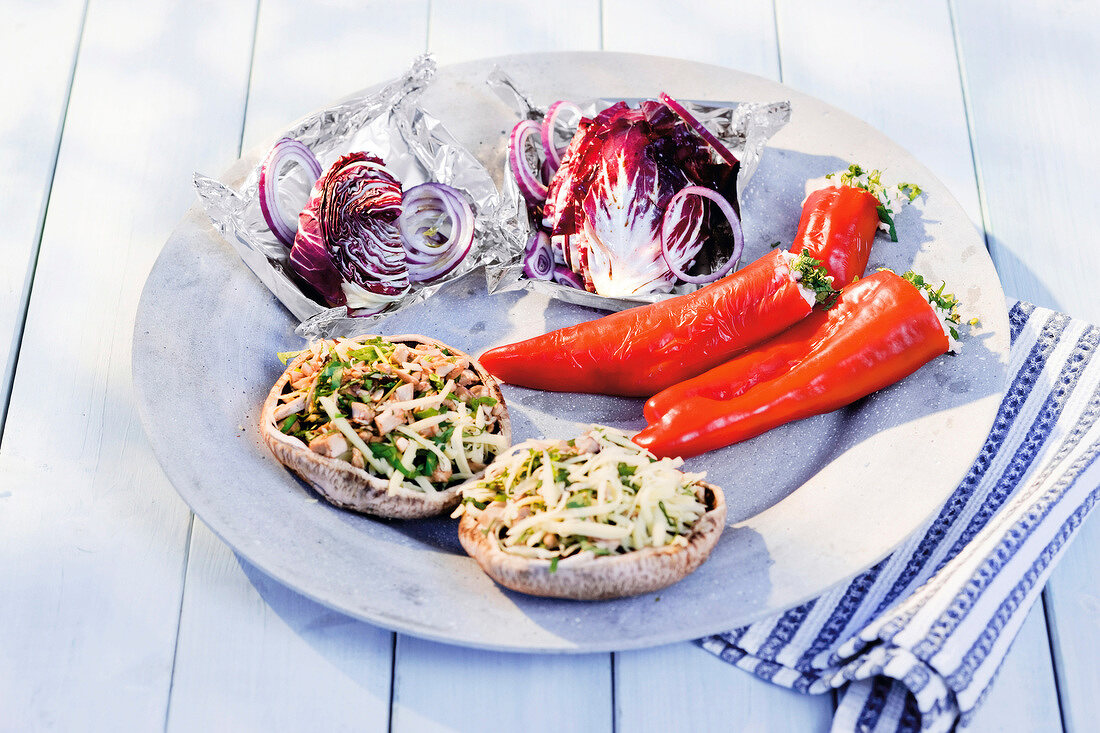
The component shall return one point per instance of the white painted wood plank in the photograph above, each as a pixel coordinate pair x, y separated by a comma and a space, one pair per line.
461, 31
1027, 665
444, 688
310, 54
271, 659
698, 691
894, 65
709, 694
1030, 76
740, 37
1034, 96
91, 534
43, 37
1073, 602
254, 655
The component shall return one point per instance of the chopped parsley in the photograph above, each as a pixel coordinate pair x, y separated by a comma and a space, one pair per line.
889, 196
814, 277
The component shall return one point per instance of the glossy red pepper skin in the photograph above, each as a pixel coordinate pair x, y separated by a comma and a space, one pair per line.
639, 352
885, 331
838, 227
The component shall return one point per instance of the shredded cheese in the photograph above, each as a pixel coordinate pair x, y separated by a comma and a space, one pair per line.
600, 494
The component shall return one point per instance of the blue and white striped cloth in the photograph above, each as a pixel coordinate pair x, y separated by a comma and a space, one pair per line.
916, 641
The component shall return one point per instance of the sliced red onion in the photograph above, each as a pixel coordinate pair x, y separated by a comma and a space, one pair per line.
426, 210
564, 276
552, 152
533, 189
697, 126
538, 259
284, 225
671, 218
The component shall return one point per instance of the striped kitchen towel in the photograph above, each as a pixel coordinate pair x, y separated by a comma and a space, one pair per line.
916, 641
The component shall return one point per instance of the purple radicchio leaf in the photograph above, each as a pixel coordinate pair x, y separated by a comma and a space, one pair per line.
351, 220
609, 195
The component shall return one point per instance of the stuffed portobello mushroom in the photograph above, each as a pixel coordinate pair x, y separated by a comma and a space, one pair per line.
591, 518
386, 425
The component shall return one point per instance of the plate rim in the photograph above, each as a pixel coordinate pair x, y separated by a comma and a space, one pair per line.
674, 633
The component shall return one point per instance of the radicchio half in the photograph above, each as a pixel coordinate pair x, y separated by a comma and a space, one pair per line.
607, 199
348, 247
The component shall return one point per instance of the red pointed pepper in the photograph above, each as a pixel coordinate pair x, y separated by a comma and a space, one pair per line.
838, 227
639, 352
882, 329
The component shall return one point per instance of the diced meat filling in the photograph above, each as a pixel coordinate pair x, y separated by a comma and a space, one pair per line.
368, 380
332, 445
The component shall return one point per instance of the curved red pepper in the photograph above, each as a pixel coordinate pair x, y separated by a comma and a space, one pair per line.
639, 352
884, 330
838, 227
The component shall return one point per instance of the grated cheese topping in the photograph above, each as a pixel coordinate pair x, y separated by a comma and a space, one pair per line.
599, 494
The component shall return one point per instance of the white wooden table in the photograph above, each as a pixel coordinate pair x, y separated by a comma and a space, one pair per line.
120, 611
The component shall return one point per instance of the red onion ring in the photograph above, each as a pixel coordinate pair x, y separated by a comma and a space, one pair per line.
538, 259
668, 223
564, 276
553, 154
283, 153
697, 126
530, 186
424, 209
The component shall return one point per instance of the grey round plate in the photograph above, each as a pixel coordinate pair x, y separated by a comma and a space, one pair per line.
810, 504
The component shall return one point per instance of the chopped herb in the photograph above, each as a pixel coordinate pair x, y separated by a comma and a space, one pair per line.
289, 424
774, 244
554, 565
392, 456
437, 382
479, 401
445, 436
328, 381
626, 469
871, 182
814, 277
946, 302
885, 217
575, 504
429, 412
429, 464
664, 511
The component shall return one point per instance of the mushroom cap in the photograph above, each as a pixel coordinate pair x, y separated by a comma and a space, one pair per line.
589, 578
349, 487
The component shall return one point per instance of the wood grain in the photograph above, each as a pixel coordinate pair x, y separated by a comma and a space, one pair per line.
91, 533
708, 32
441, 688
308, 55
254, 655
1029, 71
42, 37
460, 31
701, 692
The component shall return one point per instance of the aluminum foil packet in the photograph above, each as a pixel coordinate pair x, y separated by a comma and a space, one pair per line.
744, 127
416, 148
